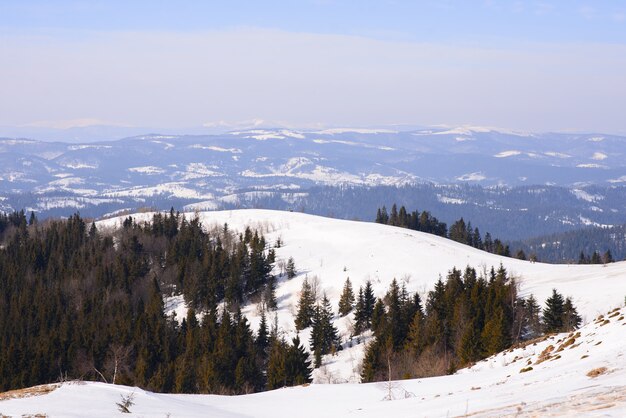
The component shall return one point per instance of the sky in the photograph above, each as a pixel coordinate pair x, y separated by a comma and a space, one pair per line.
523, 65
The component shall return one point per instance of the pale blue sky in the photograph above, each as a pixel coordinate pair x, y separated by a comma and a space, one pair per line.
528, 65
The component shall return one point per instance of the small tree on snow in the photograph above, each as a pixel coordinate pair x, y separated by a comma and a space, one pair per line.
126, 402
346, 301
291, 268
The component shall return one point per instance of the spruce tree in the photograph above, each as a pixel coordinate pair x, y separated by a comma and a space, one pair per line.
306, 308
346, 301
571, 319
297, 364
262, 339
276, 368
532, 312
324, 336
553, 313
290, 270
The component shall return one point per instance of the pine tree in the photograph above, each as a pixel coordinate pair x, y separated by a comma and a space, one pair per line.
595, 258
415, 341
269, 295
276, 368
291, 268
324, 336
532, 312
346, 301
364, 308
471, 349
262, 339
493, 336
553, 313
297, 364
571, 319
306, 308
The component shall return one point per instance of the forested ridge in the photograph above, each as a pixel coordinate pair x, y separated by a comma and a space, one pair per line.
459, 231
80, 304
464, 319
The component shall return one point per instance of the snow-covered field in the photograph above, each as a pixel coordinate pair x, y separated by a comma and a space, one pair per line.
577, 374
332, 250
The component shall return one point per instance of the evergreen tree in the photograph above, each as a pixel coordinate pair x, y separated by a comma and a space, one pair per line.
262, 339
276, 367
291, 268
553, 313
346, 301
364, 308
269, 295
571, 319
306, 309
532, 312
297, 364
324, 336
595, 258
415, 341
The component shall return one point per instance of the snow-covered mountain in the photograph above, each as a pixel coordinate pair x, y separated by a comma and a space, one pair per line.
332, 250
188, 169
565, 374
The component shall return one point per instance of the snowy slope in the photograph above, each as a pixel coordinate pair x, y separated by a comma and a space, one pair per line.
578, 374
332, 250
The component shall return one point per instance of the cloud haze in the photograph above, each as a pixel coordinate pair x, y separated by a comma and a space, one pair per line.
178, 80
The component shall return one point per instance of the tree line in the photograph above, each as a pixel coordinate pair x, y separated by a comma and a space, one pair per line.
80, 303
459, 231
465, 318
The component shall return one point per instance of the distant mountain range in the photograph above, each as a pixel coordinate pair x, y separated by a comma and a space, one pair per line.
470, 170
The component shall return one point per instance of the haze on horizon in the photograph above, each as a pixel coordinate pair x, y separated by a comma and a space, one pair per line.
523, 65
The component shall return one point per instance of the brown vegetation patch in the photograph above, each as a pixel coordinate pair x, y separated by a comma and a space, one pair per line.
525, 369
596, 372
606, 321
545, 354
28, 392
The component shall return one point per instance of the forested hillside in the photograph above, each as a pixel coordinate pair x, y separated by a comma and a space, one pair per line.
80, 304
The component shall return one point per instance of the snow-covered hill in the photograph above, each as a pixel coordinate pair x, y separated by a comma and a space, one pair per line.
145, 169
333, 250
577, 374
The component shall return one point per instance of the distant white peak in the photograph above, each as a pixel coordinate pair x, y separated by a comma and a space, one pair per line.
214, 148
476, 176
505, 154
79, 165
353, 143
468, 130
149, 169
583, 195
291, 134
557, 154
79, 147
262, 134
17, 141
158, 136
596, 139
166, 144
621, 179
450, 200
591, 166
599, 156
364, 131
